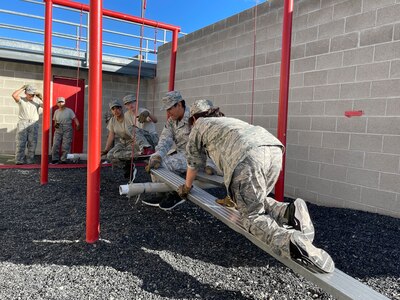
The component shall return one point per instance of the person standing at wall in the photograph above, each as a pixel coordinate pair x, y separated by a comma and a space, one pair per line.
63, 118
144, 119
28, 123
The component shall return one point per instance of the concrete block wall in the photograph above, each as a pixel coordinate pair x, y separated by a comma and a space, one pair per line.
15, 74
345, 57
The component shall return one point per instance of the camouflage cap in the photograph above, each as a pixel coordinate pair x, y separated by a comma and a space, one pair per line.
115, 103
60, 99
200, 106
170, 99
129, 98
30, 90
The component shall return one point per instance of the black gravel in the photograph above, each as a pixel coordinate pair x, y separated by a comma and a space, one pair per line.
146, 253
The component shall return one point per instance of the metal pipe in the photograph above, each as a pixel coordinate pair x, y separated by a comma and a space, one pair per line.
174, 50
77, 156
44, 166
94, 122
284, 91
134, 189
117, 15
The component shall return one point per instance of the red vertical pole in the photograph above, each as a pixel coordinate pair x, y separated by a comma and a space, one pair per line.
174, 50
44, 174
94, 122
284, 91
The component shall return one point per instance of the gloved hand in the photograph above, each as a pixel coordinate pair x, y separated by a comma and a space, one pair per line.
143, 116
183, 191
39, 95
154, 163
209, 170
104, 152
57, 125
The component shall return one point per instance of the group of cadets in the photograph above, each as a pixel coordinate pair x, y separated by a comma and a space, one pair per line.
248, 157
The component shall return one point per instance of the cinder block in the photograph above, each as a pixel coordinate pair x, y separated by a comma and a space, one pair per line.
307, 168
306, 35
297, 80
377, 198
327, 92
391, 144
388, 15
376, 35
297, 152
338, 107
336, 140
321, 16
344, 42
298, 51
264, 71
329, 61
299, 123
323, 123
374, 4
312, 108
340, 75
390, 182
395, 69
329, 201
324, 155
315, 78
382, 162
360, 21
396, 35
332, 172
330, 29
374, 71
318, 185
317, 47
347, 8
366, 142
295, 179
384, 125
355, 90
358, 56
273, 56
387, 51
304, 64
345, 124
349, 158
310, 138
363, 177
308, 6
294, 108
389, 88
292, 137
301, 94
371, 107
393, 107
306, 195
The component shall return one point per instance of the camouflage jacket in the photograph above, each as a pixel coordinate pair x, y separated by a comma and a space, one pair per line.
174, 132
226, 141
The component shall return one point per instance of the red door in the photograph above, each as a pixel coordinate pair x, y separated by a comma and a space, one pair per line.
73, 90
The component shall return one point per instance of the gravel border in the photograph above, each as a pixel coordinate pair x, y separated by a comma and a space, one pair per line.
146, 253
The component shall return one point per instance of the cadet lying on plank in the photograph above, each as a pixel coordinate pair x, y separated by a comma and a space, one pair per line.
251, 159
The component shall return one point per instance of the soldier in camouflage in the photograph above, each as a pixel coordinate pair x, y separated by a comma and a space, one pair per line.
176, 131
28, 125
62, 119
251, 159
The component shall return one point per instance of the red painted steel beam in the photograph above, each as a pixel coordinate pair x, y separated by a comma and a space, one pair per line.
94, 121
117, 15
284, 91
44, 171
172, 68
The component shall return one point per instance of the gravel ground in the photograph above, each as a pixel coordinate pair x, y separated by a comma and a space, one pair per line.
146, 253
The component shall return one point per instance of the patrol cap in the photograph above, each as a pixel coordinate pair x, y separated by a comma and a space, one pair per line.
115, 103
170, 99
60, 100
128, 99
200, 106
30, 90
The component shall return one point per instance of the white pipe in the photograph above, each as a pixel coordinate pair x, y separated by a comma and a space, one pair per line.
135, 189
82, 156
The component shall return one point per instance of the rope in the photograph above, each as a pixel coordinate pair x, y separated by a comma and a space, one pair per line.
254, 63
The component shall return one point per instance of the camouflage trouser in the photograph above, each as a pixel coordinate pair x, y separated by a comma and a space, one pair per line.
143, 138
122, 152
252, 181
27, 136
62, 137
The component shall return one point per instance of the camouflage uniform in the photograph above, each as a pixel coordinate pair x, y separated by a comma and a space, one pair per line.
148, 129
250, 159
27, 130
62, 134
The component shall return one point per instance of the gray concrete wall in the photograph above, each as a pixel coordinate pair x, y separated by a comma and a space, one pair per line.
345, 56
15, 74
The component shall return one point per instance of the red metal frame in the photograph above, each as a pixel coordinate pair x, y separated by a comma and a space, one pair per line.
284, 91
95, 96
